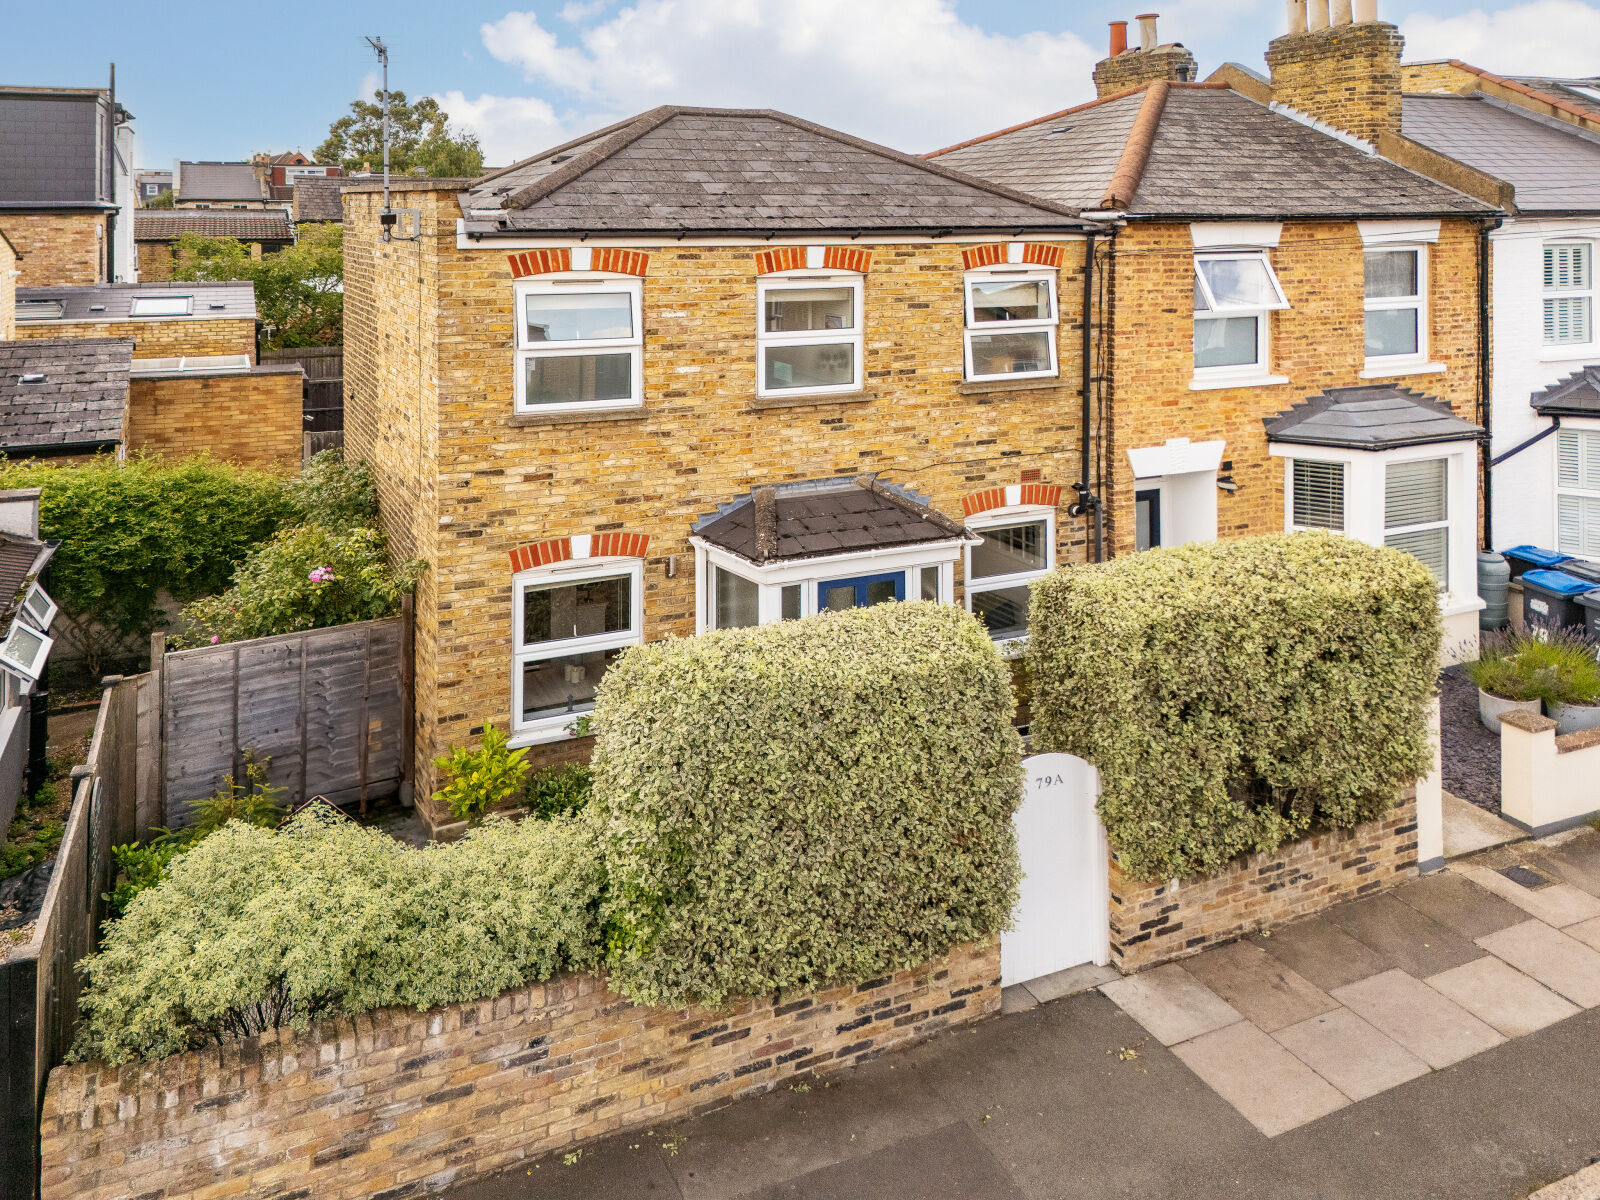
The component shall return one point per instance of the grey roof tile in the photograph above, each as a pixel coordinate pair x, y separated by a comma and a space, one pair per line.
1377, 417
316, 198
677, 170
222, 301
167, 225
218, 181
1578, 395
81, 398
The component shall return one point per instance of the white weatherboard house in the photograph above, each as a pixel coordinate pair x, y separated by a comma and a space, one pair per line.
1545, 360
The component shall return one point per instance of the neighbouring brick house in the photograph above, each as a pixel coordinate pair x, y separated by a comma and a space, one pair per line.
195, 384
701, 369
66, 184
156, 233
284, 171
1294, 327
222, 185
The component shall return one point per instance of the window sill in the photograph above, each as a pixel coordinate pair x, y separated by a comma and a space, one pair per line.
1451, 605
1210, 384
758, 403
536, 736
1376, 368
1556, 354
1037, 384
523, 420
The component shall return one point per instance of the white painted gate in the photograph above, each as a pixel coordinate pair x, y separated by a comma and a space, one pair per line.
1061, 919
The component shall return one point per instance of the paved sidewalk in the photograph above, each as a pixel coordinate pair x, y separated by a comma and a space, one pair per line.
1441, 1040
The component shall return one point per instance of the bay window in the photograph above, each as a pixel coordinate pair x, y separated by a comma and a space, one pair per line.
808, 340
1011, 320
1568, 294
1233, 293
739, 594
1316, 494
1578, 492
1396, 307
1416, 512
1016, 548
578, 345
569, 625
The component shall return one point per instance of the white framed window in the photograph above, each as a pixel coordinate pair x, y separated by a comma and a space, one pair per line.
1578, 492
1396, 306
569, 624
808, 334
1568, 294
25, 650
579, 345
1316, 494
37, 608
1233, 293
1018, 546
733, 593
1011, 322
1416, 512
161, 306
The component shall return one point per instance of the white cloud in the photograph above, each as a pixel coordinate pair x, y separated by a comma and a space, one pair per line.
1543, 37
909, 73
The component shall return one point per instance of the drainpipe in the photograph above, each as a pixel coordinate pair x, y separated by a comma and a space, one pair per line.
1485, 379
1087, 503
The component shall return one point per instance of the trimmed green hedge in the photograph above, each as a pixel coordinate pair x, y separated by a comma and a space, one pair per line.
1235, 695
803, 803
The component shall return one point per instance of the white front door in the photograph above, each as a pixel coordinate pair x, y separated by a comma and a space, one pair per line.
1062, 917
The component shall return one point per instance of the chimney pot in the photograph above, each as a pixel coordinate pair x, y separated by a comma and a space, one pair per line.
1147, 31
1119, 37
1297, 16
1317, 14
1339, 12
1364, 12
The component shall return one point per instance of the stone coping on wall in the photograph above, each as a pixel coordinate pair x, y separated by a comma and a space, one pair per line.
401, 1104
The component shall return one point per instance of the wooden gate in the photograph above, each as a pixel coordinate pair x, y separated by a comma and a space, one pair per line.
1062, 916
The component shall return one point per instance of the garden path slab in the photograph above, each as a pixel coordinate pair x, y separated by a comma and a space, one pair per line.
1259, 986
1270, 1087
1559, 904
1069, 982
1460, 905
1587, 932
1496, 992
1561, 963
1407, 939
1469, 829
1171, 1003
1577, 859
1434, 1028
1350, 1054
1322, 953
951, 1164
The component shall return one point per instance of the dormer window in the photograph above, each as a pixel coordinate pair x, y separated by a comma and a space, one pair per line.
578, 345
1011, 321
809, 337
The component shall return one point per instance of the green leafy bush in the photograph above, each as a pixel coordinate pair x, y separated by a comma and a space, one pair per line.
1554, 666
132, 529
804, 803
481, 778
334, 493
138, 867
1234, 695
559, 791
306, 577
255, 930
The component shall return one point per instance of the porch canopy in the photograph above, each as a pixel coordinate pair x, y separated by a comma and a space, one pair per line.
1578, 395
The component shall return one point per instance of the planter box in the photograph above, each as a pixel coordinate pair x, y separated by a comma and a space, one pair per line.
1490, 707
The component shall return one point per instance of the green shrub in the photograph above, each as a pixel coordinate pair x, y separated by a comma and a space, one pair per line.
334, 493
255, 930
1552, 665
129, 530
138, 867
804, 803
481, 778
1235, 695
306, 577
559, 791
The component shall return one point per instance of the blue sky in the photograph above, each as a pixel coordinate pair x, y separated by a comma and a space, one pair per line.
218, 80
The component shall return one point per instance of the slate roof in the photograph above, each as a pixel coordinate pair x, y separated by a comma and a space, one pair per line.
316, 198
79, 403
819, 517
218, 181
226, 301
48, 140
1578, 395
1377, 417
167, 225
738, 171
1554, 166
1214, 154
21, 560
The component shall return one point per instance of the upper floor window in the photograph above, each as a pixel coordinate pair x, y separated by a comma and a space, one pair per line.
1017, 548
578, 345
1568, 294
809, 337
1578, 492
1397, 305
1233, 293
1316, 494
1011, 320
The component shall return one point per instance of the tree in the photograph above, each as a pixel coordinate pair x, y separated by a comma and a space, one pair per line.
299, 290
160, 200
421, 140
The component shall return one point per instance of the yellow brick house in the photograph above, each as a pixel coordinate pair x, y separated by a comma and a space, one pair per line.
703, 369
1294, 326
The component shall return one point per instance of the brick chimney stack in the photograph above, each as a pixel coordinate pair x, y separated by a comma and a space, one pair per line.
1124, 69
1340, 65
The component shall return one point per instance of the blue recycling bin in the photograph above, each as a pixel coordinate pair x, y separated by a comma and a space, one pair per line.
1533, 558
1550, 599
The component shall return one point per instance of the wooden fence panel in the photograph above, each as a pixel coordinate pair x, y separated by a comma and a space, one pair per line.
324, 705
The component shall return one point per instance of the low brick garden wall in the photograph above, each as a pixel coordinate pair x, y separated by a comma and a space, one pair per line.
395, 1104
1155, 922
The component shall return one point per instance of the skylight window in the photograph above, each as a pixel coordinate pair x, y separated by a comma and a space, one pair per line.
161, 306
39, 310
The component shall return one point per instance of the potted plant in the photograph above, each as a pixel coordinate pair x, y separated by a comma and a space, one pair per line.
1507, 679
1573, 699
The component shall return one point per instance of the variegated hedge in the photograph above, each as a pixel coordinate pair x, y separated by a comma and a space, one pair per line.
1235, 695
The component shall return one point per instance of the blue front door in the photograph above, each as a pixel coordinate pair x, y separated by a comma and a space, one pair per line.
860, 591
